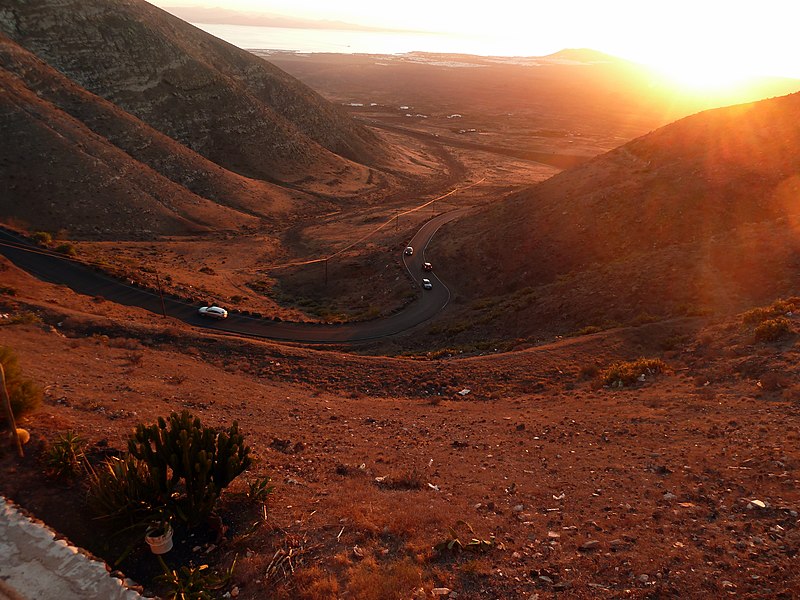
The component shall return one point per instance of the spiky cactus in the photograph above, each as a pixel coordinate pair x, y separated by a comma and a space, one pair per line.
190, 464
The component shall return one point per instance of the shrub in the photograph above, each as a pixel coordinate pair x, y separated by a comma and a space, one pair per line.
25, 395
588, 330
772, 330
192, 583
189, 465
121, 489
25, 317
42, 238
66, 248
65, 457
776, 309
410, 480
626, 373
757, 315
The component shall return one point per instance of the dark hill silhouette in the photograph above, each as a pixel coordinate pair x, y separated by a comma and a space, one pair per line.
228, 105
698, 216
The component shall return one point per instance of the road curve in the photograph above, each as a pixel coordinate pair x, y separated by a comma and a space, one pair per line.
85, 280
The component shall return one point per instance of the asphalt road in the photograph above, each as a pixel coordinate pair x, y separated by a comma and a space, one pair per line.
82, 279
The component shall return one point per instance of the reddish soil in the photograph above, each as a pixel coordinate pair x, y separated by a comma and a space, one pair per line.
583, 491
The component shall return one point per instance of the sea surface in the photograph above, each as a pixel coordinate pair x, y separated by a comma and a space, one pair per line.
343, 41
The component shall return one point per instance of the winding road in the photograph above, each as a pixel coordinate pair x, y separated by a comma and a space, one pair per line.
61, 270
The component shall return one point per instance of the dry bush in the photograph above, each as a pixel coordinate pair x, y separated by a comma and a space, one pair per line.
776, 309
24, 394
627, 373
410, 480
772, 330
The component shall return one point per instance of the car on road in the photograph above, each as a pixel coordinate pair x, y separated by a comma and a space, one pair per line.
426, 266
426, 283
408, 251
213, 312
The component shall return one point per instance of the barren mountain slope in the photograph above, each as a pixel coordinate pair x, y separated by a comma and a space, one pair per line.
59, 175
700, 215
226, 104
141, 142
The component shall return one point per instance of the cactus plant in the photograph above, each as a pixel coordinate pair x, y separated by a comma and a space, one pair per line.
189, 464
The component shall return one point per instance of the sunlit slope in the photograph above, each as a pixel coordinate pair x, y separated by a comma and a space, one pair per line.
222, 102
701, 215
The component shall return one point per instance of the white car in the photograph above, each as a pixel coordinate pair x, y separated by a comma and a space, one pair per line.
409, 251
426, 283
213, 312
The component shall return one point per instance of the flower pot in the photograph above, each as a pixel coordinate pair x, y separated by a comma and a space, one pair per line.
159, 540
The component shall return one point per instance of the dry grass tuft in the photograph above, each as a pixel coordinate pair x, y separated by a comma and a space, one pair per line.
370, 580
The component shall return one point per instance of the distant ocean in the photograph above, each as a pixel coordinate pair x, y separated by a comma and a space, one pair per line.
352, 42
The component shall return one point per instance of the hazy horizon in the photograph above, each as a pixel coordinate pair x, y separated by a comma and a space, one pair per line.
708, 43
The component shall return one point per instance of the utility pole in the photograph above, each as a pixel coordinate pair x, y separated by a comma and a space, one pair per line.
161, 294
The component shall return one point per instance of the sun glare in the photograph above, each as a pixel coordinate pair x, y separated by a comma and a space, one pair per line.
701, 75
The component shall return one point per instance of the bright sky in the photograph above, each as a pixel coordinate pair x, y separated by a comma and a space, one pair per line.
714, 41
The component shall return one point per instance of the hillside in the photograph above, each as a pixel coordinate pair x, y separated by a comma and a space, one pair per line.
699, 216
67, 149
231, 107
682, 486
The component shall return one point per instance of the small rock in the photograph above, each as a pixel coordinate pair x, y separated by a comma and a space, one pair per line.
545, 579
561, 586
756, 504
669, 496
234, 591
590, 545
643, 578
441, 591
616, 544
518, 508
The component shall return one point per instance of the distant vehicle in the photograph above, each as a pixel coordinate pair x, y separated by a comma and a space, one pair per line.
409, 251
426, 266
213, 312
426, 283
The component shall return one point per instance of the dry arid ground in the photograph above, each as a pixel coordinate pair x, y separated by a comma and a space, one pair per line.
579, 490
